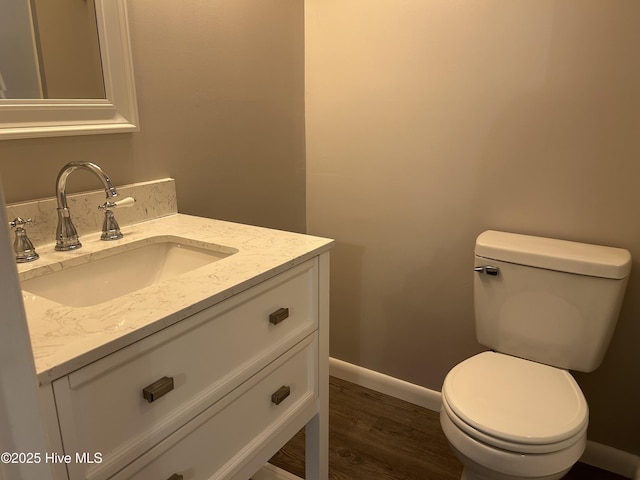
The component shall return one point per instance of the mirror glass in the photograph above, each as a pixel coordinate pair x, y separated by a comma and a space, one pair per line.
65, 68
49, 49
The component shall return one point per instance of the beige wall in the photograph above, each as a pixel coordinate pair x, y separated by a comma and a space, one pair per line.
430, 121
221, 97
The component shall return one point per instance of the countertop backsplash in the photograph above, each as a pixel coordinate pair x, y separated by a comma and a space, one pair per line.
154, 199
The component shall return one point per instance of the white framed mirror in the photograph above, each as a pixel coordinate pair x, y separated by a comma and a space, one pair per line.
115, 112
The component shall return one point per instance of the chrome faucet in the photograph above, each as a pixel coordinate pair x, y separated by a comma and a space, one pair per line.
66, 233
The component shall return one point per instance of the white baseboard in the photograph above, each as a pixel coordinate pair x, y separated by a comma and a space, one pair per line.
612, 460
596, 454
382, 383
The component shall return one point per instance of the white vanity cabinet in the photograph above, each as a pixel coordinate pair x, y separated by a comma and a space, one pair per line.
212, 396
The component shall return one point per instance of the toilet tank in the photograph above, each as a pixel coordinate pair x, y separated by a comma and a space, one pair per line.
551, 301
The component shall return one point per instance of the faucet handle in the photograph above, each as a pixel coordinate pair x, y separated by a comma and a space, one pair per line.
22, 246
110, 227
20, 222
125, 202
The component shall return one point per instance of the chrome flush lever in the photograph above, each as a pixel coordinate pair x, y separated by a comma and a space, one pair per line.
487, 270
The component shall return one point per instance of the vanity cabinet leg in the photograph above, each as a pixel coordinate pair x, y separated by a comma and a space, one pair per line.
316, 448
317, 430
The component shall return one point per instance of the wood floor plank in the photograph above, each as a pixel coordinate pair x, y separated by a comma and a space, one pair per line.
373, 436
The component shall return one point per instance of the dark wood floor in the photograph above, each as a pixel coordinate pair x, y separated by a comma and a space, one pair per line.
376, 437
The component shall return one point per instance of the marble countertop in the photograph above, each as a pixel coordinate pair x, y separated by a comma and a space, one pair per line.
66, 338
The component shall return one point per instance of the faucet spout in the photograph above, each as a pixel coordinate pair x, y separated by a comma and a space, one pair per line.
61, 182
66, 233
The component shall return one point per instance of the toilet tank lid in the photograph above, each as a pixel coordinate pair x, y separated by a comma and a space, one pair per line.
553, 254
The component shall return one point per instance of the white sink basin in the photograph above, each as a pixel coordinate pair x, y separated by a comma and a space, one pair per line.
123, 270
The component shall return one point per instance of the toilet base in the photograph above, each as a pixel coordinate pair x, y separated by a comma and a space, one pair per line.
482, 462
468, 475
471, 475
474, 471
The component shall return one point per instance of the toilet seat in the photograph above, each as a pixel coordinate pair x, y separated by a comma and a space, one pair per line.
515, 404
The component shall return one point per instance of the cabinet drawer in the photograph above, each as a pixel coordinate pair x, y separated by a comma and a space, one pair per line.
102, 407
214, 444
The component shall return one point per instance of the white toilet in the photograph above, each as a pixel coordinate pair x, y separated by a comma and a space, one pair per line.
543, 306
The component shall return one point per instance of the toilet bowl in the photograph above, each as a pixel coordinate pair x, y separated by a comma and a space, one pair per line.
507, 418
543, 306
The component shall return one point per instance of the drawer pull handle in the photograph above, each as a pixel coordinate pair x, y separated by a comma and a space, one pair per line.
175, 476
282, 393
279, 315
157, 389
